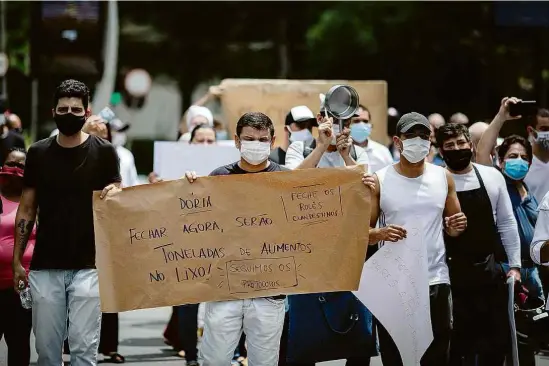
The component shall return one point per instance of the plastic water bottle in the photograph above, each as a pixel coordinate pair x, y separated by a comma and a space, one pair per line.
25, 295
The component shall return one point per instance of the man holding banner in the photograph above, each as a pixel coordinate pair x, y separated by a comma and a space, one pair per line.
261, 319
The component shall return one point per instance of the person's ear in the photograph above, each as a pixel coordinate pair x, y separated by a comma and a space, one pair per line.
88, 113
273, 139
236, 141
531, 131
398, 143
53, 112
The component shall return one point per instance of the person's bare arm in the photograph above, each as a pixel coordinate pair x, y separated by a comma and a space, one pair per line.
322, 143
213, 92
376, 234
455, 221
489, 138
24, 223
391, 233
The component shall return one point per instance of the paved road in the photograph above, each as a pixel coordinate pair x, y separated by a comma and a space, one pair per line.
141, 341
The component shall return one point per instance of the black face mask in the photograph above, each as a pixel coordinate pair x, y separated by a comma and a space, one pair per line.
457, 160
69, 124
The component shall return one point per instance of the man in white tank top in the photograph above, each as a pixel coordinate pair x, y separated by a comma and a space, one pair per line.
481, 334
409, 191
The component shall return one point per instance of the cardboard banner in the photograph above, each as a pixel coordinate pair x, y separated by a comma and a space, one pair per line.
231, 237
275, 98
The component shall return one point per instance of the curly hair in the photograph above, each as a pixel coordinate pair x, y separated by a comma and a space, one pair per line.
72, 89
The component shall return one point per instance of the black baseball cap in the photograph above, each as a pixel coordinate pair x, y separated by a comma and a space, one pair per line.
409, 120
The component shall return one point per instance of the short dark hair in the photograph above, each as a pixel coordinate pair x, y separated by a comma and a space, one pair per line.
257, 120
543, 113
511, 140
72, 89
450, 130
18, 149
198, 127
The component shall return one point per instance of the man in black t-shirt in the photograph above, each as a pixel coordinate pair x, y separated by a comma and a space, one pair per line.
60, 176
261, 319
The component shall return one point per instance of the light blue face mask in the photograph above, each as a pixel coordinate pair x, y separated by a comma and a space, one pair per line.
361, 131
516, 168
221, 135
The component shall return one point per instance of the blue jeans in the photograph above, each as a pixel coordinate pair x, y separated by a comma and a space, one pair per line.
531, 280
58, 295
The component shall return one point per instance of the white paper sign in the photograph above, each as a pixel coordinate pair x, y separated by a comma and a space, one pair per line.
173, 158
394, 286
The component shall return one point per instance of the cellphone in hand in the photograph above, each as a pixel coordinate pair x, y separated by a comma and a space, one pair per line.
525, 108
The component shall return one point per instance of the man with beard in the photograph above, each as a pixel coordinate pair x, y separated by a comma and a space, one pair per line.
408, 192
481, 333
61, 174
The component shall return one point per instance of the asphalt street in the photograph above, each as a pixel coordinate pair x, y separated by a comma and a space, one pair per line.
141, 341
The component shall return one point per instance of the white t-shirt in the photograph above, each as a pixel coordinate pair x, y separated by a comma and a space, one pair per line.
379, 156
294, 157
408, 201
501, 206
541, 233
128, 172
537, 179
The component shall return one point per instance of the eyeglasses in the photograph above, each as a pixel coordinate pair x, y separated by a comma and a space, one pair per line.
73, 110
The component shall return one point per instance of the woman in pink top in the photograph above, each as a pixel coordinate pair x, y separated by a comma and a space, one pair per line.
15, 321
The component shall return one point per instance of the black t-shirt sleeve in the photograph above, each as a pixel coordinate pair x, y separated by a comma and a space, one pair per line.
31, 168
19, 142
111, 165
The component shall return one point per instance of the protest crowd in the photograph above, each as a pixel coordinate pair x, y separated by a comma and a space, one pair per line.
482, 203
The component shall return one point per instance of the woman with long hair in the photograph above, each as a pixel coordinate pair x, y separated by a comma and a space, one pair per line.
15, 321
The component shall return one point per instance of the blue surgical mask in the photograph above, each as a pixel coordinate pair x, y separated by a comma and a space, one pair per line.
221, 135
516, 168
361, 131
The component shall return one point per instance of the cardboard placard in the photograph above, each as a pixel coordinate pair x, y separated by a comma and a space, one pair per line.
231, 237
275, 98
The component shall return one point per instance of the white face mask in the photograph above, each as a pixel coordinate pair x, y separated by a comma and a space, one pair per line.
335, 132
119, 139
303, 135
255, 152
416, 149
542, 139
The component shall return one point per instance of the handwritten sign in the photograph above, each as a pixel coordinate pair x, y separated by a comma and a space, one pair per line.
231, 237
395, 287
275, 98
